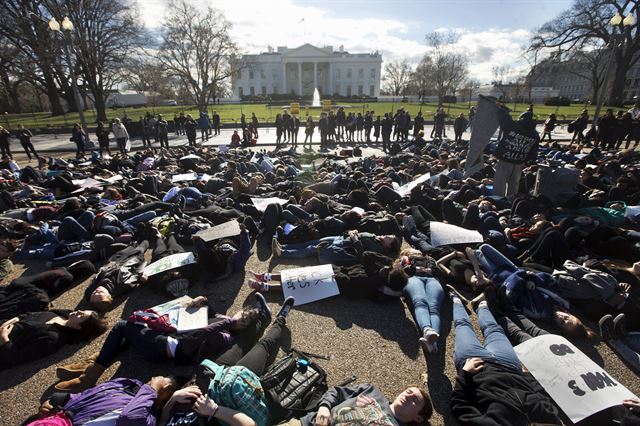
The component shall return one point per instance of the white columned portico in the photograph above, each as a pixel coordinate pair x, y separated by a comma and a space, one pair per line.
284, 77
315, 75
299, 78
330, 91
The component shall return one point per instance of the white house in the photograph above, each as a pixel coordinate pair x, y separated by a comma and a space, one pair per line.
299, 71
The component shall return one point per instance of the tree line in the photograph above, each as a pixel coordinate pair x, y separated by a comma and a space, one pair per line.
191, 56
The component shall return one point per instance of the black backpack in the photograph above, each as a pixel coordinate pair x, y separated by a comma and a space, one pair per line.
294, 385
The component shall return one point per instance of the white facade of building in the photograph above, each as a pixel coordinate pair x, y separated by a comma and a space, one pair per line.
299, 71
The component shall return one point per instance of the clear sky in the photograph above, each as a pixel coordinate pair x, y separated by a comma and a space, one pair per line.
491, 32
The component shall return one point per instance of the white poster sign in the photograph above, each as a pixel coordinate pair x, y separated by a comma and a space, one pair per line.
170, 262
228, 229
184, 177
309, 284
406, 189
113, 179
578, 385
632, 213
205, 177
87, 183
262, 203
190, 157
443, 234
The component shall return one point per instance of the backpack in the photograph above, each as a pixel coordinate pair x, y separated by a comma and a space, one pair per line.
294, 385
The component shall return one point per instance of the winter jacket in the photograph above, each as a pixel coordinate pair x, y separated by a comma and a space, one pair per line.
520, 140
539, 302
341, 401
119, 131
499, 396
135, 399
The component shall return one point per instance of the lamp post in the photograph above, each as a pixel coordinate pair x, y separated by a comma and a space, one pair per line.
67, 27
616, 21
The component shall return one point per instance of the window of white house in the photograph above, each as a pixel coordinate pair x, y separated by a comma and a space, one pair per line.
348, 72
252, 91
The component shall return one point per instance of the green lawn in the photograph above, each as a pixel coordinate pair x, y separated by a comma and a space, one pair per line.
231, 113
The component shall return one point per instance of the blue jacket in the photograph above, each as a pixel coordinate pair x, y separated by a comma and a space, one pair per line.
539, 302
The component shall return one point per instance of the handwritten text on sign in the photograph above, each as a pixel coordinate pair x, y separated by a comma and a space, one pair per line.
578, 385
309, 284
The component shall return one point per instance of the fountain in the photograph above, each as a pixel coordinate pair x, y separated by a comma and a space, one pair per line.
316, 99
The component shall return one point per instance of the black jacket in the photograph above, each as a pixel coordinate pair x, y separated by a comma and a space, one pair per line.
499, 396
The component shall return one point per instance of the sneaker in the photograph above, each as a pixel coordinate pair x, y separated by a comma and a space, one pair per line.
430, 341
286, 307
261, 303
276, 249
178, 287
257, 285
606, 327
620, 326
257, 276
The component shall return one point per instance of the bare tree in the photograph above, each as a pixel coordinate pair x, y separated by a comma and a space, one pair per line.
450, 68
144, 74
105, 33
10, 79
587, 22
422, 78
591, 65
500, 75
198, 50
397, 75
469, 88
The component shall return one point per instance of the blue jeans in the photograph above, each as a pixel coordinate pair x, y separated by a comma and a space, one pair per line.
151, 344
426, 295
293, 214
496, 349
71, 230
304, 250
495, 264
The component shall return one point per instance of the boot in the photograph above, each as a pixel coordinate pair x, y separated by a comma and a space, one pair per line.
71, 371
87, 379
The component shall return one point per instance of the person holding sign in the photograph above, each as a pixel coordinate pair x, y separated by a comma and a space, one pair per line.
519, 144
491, 387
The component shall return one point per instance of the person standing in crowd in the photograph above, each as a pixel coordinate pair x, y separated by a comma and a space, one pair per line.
359, 127
243, 123
579, 125
387, 128
331, 120
151, 128
176, 124
459, 126
418, 124
295, 125
376, 128
607, 125
438, 125
368, 124
204, 124
286, 126
121, 135
254, 124
163, 132
625, 123
190, 129
472, 115
102, 133
216, 123
549, 126
308, 131
279, 130
144, 130
77, 136
322, 125
4, 143
518, 144
341, 120
24, 135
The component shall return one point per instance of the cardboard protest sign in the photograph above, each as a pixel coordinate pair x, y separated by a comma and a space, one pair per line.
262, 203
444, 234
485, 125
170, 262
184, 177
309, 284
632, 213
182, 317
113, 179
578, 385
228, 229
205, 177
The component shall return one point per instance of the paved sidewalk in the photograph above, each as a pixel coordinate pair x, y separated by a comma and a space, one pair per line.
267, 137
